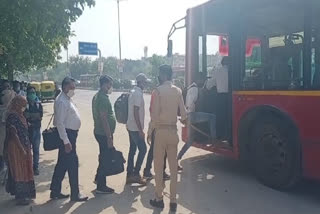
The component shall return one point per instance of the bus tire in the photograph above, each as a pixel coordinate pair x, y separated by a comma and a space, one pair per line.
276, 153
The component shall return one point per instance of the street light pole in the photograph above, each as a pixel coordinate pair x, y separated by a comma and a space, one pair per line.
120, 69
118, 3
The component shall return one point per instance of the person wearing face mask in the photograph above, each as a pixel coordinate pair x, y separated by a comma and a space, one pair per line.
67, 120
135, 127
34, 114
20, 181
104, 127
18, 89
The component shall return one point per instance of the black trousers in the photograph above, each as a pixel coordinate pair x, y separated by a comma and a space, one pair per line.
67, 162
104, 151
148, 167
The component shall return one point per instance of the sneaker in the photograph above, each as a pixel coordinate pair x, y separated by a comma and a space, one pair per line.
180, 169
166, 177
148, 175
173, 207
56, 196
157, 204
105, 190
79, 198
137, 179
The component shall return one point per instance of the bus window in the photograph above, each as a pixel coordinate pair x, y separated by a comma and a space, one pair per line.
201, 53
253, 71
213, 56
284, 67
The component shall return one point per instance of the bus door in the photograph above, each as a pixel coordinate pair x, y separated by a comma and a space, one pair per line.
215, 96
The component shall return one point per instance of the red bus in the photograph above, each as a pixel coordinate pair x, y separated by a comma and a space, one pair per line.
269, 116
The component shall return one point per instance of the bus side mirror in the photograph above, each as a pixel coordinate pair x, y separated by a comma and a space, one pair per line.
169, 50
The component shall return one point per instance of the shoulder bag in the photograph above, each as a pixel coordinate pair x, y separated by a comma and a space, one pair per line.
51, 138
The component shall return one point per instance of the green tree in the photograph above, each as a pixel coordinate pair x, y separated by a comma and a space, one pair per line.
32, 32
79, 65
110, 67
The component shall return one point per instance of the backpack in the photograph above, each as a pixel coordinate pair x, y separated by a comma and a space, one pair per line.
121, 108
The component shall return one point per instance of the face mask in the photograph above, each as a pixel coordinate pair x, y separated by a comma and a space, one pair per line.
17, 89
70, 93
110, 90
32, 97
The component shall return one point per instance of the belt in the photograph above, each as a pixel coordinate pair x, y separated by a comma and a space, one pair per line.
70, 130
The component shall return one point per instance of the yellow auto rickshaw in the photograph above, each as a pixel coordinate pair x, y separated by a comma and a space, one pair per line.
48, 90
37, 86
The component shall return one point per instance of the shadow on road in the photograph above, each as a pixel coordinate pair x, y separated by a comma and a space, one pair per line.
211, 182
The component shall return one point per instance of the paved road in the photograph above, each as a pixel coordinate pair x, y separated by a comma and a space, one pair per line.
209, 184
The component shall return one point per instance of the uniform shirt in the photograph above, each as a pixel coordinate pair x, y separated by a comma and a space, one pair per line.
191, 98
166, 102
135, 99
101, 104
66, 116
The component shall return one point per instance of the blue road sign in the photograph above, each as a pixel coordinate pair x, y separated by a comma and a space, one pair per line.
88, 48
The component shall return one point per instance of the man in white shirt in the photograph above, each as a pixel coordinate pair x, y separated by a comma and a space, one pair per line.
67, 120
135, 127
194, 117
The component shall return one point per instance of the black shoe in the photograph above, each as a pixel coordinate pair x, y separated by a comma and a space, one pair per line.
79, 198
56, 196
166, 177
36, 172
148, 175
173, 207
105, 190
157, 204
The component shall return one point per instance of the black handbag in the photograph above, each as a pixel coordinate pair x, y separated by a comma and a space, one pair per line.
112, 163
51, 138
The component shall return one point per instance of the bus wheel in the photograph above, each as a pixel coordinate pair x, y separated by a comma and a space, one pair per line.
276, 153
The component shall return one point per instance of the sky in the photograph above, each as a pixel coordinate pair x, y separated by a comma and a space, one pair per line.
143, 23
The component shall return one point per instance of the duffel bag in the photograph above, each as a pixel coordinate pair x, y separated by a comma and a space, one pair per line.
113, 163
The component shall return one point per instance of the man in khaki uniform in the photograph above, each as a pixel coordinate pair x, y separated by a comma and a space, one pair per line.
167, 101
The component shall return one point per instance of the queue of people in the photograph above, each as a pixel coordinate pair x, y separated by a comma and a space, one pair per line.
21, 114
23, 123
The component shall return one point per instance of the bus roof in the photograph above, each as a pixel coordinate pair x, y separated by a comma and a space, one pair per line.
260, 17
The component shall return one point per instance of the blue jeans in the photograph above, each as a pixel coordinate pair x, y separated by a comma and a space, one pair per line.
194, 118
135, 142
35, 138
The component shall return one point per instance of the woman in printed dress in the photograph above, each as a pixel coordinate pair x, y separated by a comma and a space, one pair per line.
18, 153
